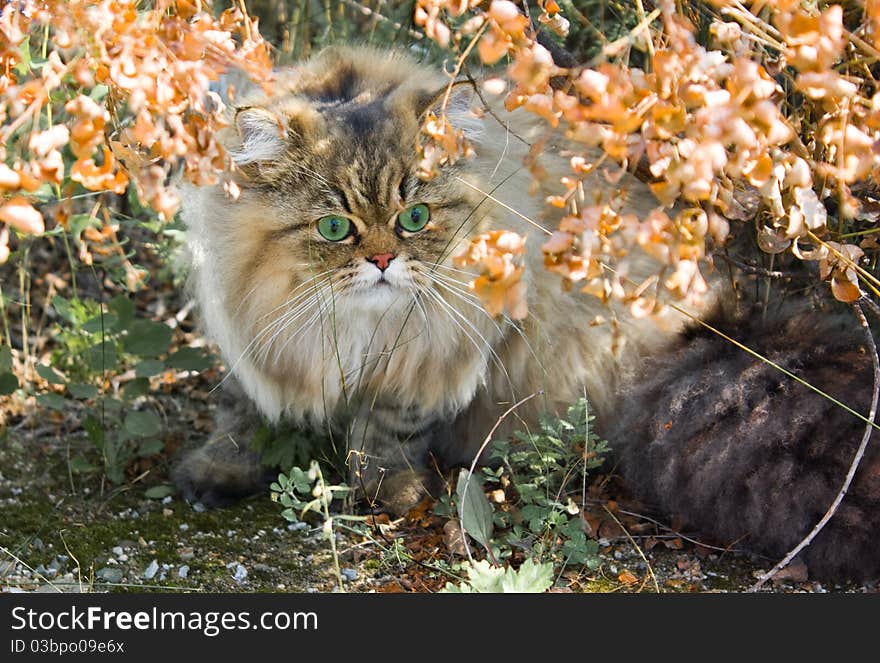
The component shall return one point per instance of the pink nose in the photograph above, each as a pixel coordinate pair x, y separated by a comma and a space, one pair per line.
381, 260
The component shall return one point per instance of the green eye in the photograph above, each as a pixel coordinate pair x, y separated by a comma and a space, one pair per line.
334, 228
414, 218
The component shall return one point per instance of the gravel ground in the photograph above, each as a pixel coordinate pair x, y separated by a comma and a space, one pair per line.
60, 532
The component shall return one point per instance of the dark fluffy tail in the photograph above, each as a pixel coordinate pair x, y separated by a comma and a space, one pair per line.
742, 453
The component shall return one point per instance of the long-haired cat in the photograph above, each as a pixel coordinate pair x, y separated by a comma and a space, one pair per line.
329, 285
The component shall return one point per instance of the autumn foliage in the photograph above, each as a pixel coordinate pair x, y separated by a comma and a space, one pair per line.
125, 89
775, 122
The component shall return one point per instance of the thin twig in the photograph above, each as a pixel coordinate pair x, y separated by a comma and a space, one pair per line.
852, 468
683, 537
636, 546
754, 269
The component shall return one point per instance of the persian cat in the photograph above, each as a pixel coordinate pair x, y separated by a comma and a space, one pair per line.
329, 285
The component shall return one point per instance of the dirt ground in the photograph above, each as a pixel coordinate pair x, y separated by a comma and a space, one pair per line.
61, 532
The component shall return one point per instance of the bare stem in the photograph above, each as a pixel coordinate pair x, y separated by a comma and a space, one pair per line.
852, 468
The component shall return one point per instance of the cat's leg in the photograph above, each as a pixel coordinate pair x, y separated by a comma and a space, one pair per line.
225, 469
390, 455
747, 456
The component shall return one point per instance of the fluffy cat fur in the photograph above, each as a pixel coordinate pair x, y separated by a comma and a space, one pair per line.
413, 367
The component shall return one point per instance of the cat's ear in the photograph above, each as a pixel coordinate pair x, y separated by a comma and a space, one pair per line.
262, 135
456, 102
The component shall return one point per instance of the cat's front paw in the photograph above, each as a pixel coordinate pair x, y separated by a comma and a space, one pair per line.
398, 492
219, 473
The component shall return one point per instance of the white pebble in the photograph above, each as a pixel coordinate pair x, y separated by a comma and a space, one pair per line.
151, 570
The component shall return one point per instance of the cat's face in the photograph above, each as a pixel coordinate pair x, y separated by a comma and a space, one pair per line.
332, 219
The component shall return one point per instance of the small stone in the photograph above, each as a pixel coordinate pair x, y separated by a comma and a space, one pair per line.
240, 573
348, 574
141, 542
186, 553
117, 550
183, 571
198, 507
167, 512
167, 499
295, 527
109, 574
151, 570
184, 527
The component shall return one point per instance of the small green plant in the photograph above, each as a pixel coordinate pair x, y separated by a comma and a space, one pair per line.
542, 476
547, 470
287, 445
95, 343
484, 578
543, 472
305, 491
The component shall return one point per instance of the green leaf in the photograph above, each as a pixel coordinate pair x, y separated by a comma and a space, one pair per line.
82, 390
99, 92
137, 387
484, 578
143, 424
159, 492
62, 308
77, 223
112, 405
24, 65
190, 359
301, 482
52, 401
5, 358
100, 323
96, 433
150, 447
474, 509
101, 356
147, 338
123, 308
149, 367
79, 464
49, 374
530, 578
8, 384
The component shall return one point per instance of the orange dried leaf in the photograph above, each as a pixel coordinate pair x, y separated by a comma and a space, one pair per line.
21, 215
